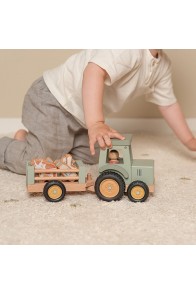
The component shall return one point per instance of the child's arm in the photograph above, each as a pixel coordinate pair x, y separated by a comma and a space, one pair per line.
92, 92
176, 120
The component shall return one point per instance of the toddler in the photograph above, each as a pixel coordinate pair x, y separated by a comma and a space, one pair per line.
64, 110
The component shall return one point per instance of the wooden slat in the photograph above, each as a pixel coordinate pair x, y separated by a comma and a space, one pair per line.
56, 170
67, 178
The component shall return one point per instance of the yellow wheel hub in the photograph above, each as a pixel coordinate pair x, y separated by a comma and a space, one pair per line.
137, 192
54, 192
109, 188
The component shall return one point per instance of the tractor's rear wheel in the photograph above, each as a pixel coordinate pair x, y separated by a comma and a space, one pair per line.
138, 191
109, 186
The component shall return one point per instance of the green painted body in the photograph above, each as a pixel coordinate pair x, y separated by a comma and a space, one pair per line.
30, 180
82, 171
130, 169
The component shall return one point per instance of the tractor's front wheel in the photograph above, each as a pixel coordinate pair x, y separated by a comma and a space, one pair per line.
109, 186
138, 191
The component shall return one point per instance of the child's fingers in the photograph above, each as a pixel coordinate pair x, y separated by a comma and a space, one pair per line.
92, 147
117, 135
104, 140
101, 142
108, 141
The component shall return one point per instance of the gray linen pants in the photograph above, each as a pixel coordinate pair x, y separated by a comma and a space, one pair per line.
53, 131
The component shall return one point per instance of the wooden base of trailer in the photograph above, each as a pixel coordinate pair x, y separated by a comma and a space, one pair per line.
151, 188
70, 187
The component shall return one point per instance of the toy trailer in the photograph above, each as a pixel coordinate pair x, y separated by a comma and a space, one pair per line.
125, 175
55, 187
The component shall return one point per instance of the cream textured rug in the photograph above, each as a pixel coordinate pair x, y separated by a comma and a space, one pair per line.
168, 217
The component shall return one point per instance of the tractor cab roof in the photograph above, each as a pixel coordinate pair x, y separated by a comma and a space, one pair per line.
125, 142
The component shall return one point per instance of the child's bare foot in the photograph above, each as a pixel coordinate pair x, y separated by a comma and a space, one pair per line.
20, 135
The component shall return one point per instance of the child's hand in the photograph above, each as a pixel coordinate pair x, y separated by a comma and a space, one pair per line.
191, 144
101, 133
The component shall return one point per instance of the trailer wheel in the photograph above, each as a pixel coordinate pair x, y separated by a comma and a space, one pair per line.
109, 186
138, 191
54, 191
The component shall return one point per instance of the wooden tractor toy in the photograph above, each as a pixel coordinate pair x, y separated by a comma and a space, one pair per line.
119, 174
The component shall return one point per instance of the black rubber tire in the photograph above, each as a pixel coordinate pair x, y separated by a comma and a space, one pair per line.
110, 176
48, 185
143, 186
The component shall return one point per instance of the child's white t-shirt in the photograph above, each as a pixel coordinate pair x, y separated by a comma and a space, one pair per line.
131, 73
